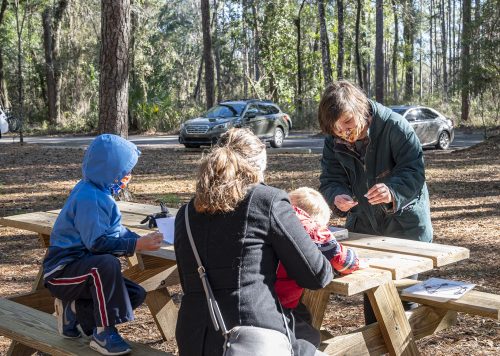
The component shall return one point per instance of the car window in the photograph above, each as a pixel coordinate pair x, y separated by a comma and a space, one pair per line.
428, 114
399, 111
267, 109
253, 109
272, 109
412, 115
224, 110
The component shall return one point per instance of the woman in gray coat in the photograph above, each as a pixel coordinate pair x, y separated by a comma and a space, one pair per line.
372, 170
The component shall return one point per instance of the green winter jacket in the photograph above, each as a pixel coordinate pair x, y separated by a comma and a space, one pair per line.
393, 156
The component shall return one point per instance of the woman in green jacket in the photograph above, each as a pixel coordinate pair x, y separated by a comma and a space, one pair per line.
372, 170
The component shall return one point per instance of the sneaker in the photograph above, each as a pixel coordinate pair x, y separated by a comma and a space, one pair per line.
66, 319
109, 342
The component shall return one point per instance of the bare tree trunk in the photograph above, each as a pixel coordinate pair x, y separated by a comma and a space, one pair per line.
257, 41
395, 52
466, 41
4, 93
450, 50
420, 41
379, 52
325, 44
431, 38
245, 47
114, 64
444, 49
135, 84
340, 56
51, 20
207, 54
359, 72
196, 92
300, 68
20, 79
216, 49
408, 21
454, 55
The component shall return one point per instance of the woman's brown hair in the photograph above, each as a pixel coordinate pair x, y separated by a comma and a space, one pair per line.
341, 97
226, 172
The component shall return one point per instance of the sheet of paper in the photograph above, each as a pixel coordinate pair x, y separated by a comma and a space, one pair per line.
438, 289
166, 227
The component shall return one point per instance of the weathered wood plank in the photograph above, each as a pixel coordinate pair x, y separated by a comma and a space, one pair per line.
368, 340
316, 302
38, 330
473, 302
134, 208
400, 265
141, 209
38, 299
152, 279
165, 252
440, 254
392, 320
40, 222
164, 311
359, 281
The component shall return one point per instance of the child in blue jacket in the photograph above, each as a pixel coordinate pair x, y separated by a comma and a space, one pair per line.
81, 269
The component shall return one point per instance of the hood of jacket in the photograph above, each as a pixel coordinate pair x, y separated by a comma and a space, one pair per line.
108, 159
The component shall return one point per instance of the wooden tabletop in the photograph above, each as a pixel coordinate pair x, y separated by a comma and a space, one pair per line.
388, 257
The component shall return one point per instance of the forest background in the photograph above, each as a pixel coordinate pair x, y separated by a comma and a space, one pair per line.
179, 57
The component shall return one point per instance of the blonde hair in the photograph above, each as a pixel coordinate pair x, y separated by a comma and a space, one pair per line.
226, 172
312, 202
339, 98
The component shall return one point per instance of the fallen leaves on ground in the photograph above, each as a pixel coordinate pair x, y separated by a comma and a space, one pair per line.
464, 187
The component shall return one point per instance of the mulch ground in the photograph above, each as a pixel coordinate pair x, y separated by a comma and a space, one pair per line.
465, 204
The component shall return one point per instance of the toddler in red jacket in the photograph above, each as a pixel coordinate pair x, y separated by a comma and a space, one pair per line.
314, 213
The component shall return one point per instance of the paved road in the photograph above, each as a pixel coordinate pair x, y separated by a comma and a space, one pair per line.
300, 142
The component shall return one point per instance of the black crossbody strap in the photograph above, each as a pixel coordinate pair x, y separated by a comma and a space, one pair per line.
213, 307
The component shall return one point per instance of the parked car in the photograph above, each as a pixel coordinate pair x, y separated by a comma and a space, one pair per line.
263, 117
432, 128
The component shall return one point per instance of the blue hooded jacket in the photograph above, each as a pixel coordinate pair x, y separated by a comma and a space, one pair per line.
90, 221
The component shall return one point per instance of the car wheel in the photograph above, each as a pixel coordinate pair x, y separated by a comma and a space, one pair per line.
278, 138
191, 145
443, 140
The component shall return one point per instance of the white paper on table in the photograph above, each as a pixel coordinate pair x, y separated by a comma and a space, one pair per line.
166, 227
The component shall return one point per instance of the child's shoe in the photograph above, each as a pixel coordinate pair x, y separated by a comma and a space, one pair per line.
109, 342
66, 319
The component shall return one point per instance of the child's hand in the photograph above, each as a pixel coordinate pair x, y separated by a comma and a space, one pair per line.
149, 242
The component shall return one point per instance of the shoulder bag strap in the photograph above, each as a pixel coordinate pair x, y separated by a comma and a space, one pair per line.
213, 307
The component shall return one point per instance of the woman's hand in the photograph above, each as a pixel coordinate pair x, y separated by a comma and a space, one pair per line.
149, 242
379, 194
344, 202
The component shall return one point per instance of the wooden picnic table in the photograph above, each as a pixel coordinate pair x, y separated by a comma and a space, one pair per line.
390, 259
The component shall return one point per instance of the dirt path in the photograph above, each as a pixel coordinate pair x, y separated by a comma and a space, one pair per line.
465, 201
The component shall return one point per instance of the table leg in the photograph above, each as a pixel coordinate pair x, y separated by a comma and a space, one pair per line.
392, 320
155, 276
316, 302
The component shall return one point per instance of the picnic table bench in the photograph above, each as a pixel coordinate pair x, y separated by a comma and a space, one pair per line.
390, 260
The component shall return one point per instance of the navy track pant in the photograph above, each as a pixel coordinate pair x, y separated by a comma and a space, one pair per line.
103, 297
